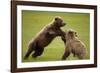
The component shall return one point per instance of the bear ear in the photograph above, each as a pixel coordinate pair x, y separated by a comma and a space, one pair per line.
56, 18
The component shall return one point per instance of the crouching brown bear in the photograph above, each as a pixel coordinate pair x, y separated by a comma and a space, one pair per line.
45, 37
73, 45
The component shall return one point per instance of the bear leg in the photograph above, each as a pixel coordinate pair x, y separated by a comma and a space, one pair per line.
81, 56
37, 52
66, 54
28, 53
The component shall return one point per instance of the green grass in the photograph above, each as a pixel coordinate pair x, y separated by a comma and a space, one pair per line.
34, 21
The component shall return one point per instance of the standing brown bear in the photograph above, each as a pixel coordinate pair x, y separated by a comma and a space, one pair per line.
45, 37
73, 45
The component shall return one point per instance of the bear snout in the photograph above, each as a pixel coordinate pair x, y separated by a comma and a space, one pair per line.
63, 24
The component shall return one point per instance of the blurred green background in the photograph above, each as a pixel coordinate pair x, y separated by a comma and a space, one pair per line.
34, 21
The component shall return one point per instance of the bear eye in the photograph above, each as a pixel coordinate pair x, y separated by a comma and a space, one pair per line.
76, 34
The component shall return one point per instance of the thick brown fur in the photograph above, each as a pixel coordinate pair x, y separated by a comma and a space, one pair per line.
45, 37
73, 45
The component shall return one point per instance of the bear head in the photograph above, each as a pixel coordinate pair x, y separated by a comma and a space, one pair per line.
58, 22
71, 33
